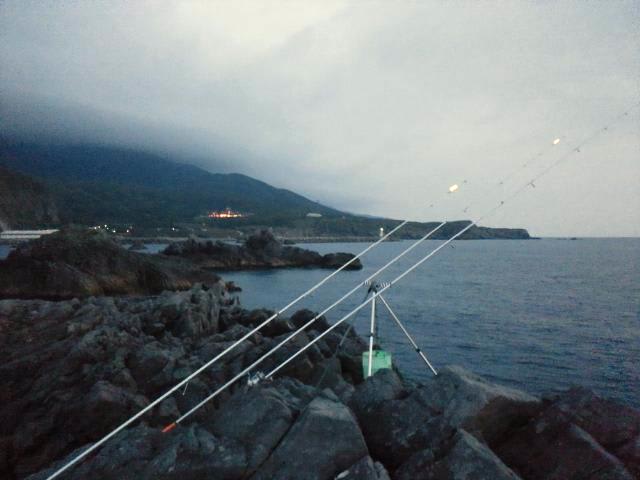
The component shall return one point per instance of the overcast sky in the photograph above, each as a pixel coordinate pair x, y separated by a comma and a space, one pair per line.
371, 107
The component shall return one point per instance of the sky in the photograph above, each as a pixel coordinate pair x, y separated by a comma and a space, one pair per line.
374, 107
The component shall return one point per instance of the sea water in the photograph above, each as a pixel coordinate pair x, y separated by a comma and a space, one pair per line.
540, 315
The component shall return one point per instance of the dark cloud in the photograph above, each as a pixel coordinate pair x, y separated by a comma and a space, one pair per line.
375, 107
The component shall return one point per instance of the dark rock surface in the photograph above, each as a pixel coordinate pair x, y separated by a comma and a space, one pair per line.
562, 441
260, 417
73, 370
466, 459
137, 245
365, 469
261, 250
398, 424
616, 427
144, 452
321, 443
485, 409
80, 263
77, 263
25, 202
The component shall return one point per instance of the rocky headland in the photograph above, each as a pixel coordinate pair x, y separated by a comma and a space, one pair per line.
78, 263
73, 370
25, 202
259, 251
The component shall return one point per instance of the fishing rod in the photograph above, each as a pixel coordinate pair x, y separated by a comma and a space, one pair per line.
197, 372
361, 306
205, 366
452, 189
424, 259
230, 382
210, 362
246, 336
270, 352
386, 286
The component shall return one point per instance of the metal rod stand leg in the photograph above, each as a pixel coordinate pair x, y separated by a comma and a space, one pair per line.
372, 333
404, 330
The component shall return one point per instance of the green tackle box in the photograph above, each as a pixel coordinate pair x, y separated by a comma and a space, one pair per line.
381, 359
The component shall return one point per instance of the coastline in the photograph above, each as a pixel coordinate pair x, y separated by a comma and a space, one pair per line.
113, 355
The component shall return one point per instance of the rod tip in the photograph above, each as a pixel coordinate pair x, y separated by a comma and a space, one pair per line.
169, 427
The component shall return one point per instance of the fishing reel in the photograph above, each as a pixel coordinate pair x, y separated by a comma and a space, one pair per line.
375, 286
255, 379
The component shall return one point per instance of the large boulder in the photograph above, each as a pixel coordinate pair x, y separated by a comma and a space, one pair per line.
113, 402
371, 394
261, 250
259, 417
364, 469
190, 453
630, 455
401, 427
337, 260
187, 314
277, 326
81, 263
552, 447
323, 442
398, 423
265, 242
467, 459
614, 426
25, 203
483, 408
304, 316
73, 370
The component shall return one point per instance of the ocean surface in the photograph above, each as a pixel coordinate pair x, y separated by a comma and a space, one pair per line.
540, 315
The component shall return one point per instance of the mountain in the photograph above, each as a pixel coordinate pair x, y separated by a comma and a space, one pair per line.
93, 185
25, 202
99, 184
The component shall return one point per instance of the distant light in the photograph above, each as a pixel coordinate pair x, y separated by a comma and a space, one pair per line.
227, 213
556, 141
453, 188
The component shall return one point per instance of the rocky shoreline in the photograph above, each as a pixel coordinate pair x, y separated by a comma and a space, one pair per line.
78, 263
260, 251
81, 263
73, 370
